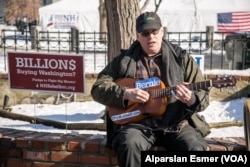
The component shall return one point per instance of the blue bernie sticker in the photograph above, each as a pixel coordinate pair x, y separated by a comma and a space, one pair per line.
147, 83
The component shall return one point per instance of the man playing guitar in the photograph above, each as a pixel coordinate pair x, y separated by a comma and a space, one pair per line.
151, 62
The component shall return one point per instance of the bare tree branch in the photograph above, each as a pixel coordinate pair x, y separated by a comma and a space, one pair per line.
144, 5
157, 5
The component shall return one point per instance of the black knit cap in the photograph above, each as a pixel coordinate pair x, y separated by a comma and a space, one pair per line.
147, 21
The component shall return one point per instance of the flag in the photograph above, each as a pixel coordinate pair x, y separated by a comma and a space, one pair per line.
233, 22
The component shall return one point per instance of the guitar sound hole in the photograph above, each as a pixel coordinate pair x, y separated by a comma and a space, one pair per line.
146, 114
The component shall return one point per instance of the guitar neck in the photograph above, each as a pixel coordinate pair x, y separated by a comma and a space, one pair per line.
167, 91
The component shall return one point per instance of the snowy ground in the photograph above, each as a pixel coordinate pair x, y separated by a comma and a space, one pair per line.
79, 112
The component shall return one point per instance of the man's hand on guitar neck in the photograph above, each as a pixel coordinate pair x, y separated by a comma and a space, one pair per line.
184, 94
136, 95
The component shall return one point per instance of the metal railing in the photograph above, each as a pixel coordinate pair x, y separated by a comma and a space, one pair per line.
215, 48
92, 45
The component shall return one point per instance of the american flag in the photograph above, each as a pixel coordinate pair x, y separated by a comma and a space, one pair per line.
233, 22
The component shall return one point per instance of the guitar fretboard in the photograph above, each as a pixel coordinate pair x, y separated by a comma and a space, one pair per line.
167, 91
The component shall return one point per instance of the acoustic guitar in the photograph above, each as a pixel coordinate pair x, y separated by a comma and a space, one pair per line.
157, 103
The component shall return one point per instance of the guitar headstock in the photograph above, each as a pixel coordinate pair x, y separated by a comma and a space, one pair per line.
223, 81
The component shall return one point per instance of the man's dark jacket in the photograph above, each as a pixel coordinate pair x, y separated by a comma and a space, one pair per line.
178, 65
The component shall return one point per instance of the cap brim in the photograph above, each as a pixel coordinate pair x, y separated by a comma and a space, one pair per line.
148, 27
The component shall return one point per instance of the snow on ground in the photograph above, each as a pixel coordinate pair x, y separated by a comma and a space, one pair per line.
91, 111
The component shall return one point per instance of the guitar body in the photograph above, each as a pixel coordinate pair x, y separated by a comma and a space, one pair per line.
138, 111
157, 103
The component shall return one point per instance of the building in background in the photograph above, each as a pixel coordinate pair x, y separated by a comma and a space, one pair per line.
2, 4
19, 9
48, 2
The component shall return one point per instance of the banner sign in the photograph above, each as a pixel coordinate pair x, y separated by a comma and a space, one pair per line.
62, 21
46, 72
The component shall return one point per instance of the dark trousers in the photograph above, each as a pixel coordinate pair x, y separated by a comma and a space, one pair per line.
129, 143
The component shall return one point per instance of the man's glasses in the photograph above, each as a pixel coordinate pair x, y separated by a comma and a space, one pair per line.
148, 32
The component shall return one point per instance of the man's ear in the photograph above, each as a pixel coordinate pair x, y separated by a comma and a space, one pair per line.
162, 29
137, 35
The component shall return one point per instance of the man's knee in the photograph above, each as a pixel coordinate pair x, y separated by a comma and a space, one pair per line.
199, 147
